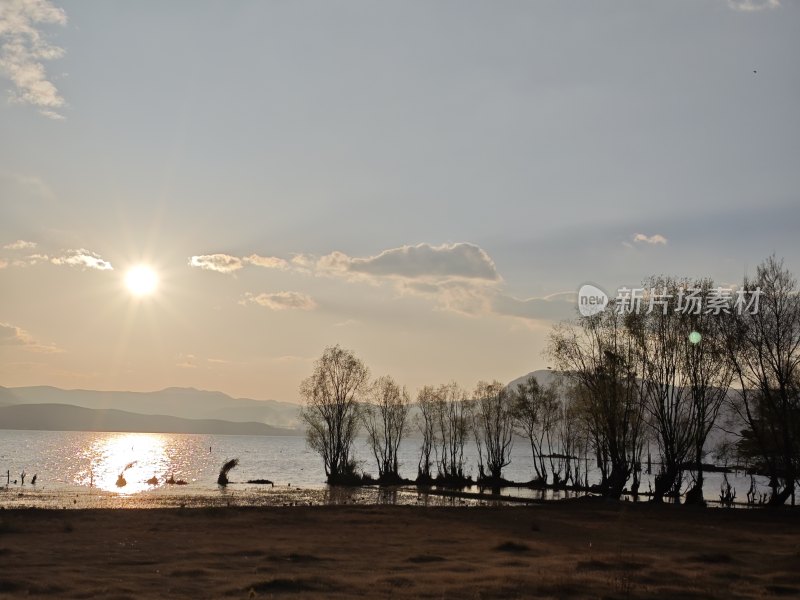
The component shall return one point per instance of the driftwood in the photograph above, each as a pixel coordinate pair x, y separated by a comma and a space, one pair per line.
261, 482
226, 468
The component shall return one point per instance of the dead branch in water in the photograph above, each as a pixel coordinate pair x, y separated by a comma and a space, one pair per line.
226, 468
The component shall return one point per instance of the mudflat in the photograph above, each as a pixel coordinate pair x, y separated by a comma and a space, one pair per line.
585, 548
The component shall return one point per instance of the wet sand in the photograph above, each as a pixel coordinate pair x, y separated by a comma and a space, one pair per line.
586, 548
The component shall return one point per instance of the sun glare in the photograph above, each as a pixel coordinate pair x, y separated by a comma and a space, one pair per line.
141, 281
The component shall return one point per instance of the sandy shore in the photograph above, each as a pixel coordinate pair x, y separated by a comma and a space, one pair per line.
578, 549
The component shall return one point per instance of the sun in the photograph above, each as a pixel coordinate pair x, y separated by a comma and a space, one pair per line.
141, 281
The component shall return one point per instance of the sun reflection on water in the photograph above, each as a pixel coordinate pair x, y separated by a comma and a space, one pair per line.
124, 462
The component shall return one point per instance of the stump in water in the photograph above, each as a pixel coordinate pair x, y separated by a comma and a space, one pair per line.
226, 468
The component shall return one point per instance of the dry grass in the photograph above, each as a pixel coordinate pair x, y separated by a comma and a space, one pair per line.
582, 549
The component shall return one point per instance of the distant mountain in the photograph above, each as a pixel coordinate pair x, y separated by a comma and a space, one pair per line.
65, 417
186, 403
544, 376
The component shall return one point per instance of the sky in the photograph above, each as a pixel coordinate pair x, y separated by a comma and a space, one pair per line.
425, 183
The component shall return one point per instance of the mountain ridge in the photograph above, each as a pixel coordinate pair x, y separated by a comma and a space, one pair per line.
187, 403
67, 417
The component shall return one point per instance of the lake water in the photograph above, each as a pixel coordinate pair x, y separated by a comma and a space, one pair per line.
77, 462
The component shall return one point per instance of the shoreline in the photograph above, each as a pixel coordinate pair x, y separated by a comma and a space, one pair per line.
244, 494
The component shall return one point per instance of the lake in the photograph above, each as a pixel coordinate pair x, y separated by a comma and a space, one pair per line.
75, 462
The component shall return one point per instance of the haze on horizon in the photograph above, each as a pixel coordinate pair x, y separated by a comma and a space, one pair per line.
427, 184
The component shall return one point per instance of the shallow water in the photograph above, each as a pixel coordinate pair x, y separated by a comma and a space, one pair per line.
90, 468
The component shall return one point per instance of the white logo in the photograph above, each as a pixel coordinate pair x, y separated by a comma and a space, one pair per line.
591, 300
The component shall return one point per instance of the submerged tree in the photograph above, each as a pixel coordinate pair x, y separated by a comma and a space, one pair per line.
764, 352
597, 355
707, 377
426, 421
660, 341
331, 409
572, 440
385, 418
535, 414
493, 425
452, 424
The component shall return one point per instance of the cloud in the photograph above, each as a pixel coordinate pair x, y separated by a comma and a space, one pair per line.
226, 263
83, 259
753, 5
36, 258
281, 300
20, 245
23, 47
268, 262
653, 239
11, 335
221, 263
549, 308
3, 263
458, 277
459, 296
218, 361
423, 261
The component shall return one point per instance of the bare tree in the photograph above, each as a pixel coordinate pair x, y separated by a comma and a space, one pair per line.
572, 439
706, 375
660, 342
597, 354
764, 353
331, 410
426, 421
534, 415
452, 419
385, 418
493, 426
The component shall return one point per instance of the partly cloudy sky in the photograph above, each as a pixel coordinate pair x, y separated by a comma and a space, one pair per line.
426, 183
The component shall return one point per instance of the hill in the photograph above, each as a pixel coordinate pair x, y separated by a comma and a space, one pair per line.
186, 403
65, 417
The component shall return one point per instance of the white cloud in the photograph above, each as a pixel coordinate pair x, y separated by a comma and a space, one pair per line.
458, 277
23, 47
281, 300
753, 5
303, 262
652, 239
83, 259
11, 335
423, 261
36, 258
218, 361
20, 245
549, 308
221, 263
268, 262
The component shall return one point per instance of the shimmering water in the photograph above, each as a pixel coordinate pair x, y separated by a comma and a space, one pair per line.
72, 462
